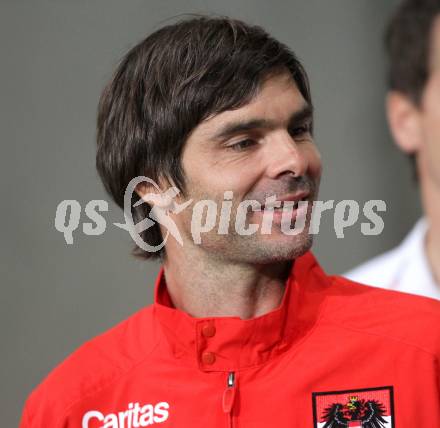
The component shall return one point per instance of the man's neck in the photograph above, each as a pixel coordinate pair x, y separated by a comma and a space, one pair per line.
431, 203
205, 287
432, 245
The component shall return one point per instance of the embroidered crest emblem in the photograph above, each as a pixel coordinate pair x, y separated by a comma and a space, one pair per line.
356, 408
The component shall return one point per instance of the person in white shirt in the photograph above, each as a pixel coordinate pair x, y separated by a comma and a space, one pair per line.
404, 268
413, 110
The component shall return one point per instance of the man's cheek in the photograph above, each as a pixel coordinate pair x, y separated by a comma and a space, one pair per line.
183, 219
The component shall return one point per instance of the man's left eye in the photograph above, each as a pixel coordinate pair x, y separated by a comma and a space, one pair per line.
242, 145
300, 130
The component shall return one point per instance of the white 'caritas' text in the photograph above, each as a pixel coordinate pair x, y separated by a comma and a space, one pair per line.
135, 416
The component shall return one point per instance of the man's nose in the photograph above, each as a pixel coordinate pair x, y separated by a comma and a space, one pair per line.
285, 155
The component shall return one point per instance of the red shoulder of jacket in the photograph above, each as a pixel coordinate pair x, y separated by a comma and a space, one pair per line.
407, 318
93, 366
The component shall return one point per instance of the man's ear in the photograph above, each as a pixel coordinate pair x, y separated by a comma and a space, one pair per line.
144, 188
152, 195
404, 119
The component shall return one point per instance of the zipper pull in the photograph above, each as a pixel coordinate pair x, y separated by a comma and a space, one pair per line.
229, 393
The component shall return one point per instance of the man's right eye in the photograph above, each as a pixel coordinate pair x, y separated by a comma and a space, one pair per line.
242, 145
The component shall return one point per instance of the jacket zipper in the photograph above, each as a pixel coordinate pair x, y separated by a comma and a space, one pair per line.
229, 397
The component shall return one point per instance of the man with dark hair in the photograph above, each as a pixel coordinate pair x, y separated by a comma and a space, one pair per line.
163, 94
413, 107
246, 330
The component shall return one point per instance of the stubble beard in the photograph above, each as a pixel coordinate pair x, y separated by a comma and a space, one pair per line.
237, 248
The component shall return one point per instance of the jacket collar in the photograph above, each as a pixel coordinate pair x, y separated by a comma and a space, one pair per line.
230, 343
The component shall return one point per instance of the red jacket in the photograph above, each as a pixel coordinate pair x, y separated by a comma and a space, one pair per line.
333, 354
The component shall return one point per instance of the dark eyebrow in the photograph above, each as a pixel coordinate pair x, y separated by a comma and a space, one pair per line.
234, 128
300, 116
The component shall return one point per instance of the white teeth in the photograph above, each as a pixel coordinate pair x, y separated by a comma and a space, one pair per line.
289, 205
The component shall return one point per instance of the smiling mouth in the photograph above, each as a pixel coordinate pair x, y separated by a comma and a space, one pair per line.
288, 204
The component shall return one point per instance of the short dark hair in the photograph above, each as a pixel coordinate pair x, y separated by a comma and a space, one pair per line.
407, 41
166, 85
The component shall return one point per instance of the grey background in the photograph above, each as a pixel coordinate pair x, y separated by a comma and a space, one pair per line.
56, 57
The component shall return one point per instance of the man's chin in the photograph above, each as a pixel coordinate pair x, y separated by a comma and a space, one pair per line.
265, 251
289, 249
257, 248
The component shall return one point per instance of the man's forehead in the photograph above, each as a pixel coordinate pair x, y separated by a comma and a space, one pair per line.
277, 99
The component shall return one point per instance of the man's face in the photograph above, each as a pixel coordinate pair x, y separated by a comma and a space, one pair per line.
428, 154
262, 149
